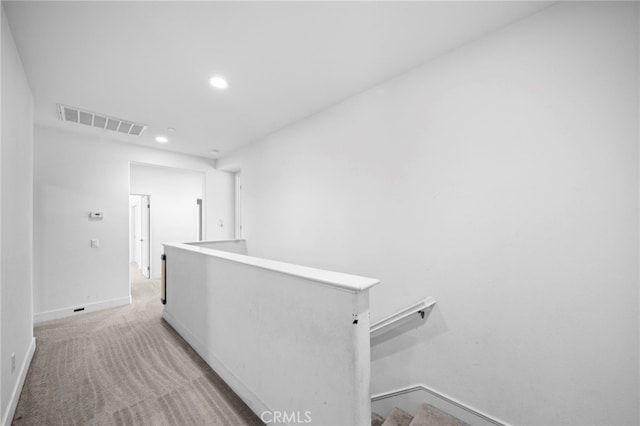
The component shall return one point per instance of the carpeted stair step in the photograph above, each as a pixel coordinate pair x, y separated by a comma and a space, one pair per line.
376, 419
398, 418
428, 415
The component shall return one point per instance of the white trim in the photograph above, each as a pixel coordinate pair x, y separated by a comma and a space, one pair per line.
346, 282
397, 318
444, 402
90, 307
247, 395
17, 389
237, 203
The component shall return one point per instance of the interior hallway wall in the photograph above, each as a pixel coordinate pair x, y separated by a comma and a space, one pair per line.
501, 179
76, 174
173, 205
16, 201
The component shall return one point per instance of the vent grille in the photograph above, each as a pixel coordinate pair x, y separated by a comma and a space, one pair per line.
87, 118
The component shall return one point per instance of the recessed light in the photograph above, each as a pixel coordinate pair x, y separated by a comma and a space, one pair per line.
171, 129
218, 82
161, 139
215, 151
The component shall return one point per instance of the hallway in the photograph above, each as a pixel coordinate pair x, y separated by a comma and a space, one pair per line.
123, 366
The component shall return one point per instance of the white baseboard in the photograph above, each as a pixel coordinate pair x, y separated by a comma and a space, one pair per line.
89, 307
17, 389
249, 397
411, 397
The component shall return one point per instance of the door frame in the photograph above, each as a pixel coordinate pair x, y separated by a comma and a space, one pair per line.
148, 230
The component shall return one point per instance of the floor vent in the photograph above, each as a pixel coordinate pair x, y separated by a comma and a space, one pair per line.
101, 121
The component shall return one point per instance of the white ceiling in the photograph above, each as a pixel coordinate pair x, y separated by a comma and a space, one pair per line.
150, 61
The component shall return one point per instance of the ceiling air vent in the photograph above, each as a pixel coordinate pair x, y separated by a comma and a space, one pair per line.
100, 121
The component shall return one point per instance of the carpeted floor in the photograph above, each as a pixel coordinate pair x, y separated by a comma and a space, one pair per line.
123, 366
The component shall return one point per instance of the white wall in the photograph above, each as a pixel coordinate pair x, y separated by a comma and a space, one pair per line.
173, 205
282, 337
233, 246
76, 174
17, 226
502, 179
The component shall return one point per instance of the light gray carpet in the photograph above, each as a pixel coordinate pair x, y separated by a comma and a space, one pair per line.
123, 366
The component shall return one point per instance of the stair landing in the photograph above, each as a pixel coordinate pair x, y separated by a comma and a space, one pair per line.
427, 415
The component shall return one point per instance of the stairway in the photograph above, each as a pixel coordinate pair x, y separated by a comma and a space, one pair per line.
427, 415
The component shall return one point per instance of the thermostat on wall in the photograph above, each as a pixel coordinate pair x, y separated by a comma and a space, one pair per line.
96, 215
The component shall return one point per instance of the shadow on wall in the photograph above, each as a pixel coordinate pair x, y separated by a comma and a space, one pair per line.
409, 334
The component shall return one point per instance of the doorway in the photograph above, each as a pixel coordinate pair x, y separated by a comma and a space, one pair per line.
140, 233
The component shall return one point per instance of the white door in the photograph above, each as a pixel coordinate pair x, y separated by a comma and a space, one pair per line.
145, 232
199, 220
137, 234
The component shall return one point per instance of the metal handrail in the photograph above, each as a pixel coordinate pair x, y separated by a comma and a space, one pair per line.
399, 317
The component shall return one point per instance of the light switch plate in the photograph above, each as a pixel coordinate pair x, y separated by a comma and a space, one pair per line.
95, 243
